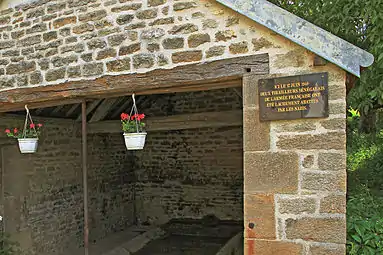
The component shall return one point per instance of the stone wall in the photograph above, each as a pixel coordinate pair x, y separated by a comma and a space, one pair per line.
50, 42
190, 174
43, 192
5, 4
295, 177
179, 174
111, 186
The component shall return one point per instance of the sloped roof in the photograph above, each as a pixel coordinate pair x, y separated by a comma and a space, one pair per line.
304, 33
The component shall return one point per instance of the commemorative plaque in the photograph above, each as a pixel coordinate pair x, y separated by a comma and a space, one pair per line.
294, 97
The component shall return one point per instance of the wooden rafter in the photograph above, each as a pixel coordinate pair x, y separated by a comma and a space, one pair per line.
55, 111
71, 110
122, 108
239, 93
90, 108
176, 122
125, 105
40, 110
103, 109
193, 77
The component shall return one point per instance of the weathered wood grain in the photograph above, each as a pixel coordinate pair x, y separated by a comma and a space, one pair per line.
176, 122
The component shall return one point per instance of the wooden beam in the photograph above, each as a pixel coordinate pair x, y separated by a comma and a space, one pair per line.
90, 108
156, 81
176, 122
71, 110
8, 107
103, 109
21, 118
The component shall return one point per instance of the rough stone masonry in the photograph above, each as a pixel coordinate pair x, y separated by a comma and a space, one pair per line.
50, 42
189, 174
294, 171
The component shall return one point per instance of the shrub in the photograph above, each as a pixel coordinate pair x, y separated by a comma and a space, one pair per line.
364, 160
365, 187
364, 225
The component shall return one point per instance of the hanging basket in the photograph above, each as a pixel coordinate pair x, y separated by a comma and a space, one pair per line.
28, 145
132, 126
135, 141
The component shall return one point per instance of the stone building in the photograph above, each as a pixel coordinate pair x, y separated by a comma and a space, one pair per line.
195, 67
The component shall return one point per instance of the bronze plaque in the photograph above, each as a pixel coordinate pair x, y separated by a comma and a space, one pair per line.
294, 97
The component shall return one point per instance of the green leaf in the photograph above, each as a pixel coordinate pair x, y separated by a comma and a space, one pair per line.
357, 238
357, 228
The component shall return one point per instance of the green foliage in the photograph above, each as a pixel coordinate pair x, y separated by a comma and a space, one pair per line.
361, 23
365, 182
8, 247
132, 124
364, 225
32, 131
353, 117
364, 159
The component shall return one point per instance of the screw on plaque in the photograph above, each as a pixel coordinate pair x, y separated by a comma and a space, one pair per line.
251, 225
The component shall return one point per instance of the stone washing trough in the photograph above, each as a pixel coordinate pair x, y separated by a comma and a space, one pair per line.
187, 237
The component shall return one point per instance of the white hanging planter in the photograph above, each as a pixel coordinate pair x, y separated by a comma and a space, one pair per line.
135, 141
28, 145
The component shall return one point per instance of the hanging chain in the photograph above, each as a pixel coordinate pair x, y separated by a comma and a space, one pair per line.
28, 116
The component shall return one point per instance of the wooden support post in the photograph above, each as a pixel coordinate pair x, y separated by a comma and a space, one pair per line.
85, 177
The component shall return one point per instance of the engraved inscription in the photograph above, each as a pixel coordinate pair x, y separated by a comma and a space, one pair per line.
294, 97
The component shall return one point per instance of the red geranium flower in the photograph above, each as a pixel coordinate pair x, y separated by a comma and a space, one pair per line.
137, 117
39, 125
124, 116
32, 125
15, 130
7, 131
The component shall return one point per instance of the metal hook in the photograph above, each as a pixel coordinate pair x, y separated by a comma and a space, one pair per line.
26, 108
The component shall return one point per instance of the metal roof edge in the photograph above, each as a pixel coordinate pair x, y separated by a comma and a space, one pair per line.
304, 33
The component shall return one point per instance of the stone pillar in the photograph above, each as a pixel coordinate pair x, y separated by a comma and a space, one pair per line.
294, 180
